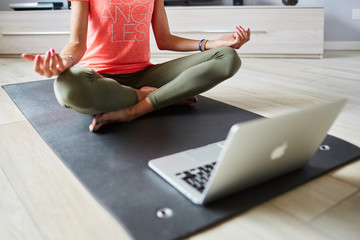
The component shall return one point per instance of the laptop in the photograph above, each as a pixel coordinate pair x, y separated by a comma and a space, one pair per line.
253, 152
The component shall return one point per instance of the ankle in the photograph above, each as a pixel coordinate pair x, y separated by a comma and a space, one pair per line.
141, 108
141, 94
144, 92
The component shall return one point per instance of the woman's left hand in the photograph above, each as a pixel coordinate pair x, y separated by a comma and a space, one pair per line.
240, 37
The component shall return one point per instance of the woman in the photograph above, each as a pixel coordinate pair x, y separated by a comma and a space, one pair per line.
110, 38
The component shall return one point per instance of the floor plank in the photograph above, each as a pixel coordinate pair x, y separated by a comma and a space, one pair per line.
343, 221
50, 203
8, 110
314, 198
17, 70
263, 222
15, 222
347, 125
349, 174
57, 202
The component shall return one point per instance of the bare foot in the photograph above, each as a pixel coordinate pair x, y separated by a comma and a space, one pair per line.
121, 115
127, 114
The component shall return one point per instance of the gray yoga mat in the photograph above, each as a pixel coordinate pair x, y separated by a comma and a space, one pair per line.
112, 164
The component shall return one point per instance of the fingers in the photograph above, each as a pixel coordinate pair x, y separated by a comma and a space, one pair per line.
54, 63
241, 31
50, 64
248, 34
46, 66
60, 66
28, 56
241, 36
38, 65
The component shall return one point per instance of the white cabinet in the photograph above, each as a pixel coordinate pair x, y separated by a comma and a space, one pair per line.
277, 31
33, 31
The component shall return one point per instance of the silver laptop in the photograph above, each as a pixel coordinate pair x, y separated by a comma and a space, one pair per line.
253, 152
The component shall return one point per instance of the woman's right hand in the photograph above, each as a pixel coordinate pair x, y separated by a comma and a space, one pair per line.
50, 64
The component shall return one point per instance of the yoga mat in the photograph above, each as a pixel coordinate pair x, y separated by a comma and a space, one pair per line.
112, 164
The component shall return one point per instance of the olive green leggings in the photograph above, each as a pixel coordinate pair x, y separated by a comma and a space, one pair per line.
89, 92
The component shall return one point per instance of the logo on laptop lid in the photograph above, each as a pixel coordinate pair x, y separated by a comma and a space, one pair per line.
279, 151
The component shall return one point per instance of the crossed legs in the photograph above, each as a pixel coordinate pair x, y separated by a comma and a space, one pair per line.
156, 87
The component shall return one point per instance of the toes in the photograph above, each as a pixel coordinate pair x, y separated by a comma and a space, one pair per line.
96, 123
91, 128
95, 127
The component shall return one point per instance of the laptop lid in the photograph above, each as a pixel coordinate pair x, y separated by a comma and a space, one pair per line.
262, 149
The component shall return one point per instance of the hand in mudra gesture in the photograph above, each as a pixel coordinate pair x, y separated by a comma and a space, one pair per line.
236, 40
50, 64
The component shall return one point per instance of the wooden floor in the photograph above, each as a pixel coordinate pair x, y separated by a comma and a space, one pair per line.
41, 199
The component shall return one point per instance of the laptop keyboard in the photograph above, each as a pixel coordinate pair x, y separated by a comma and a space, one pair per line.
197, 177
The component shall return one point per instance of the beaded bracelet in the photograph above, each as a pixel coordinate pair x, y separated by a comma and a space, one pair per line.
204, 45
200, 44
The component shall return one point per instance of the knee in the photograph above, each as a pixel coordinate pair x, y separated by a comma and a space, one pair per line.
232, 61
70, 87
